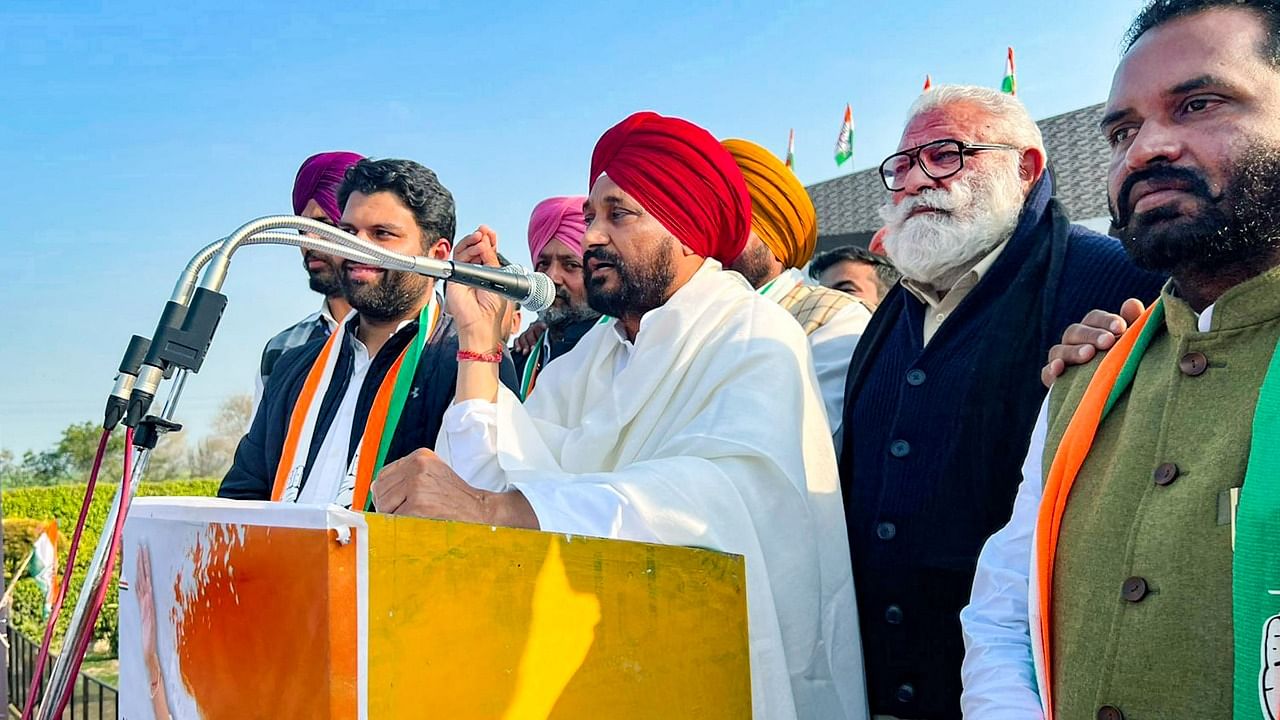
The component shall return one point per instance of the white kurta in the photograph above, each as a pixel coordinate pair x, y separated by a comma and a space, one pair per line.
708, 431
832, 346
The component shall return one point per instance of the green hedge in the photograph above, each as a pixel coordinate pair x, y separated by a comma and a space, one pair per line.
25, 508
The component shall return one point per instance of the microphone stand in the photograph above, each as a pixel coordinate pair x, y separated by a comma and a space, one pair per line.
180, 343
145, 441
150, 428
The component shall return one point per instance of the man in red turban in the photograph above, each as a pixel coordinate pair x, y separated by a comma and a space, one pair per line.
689, 416
679, 172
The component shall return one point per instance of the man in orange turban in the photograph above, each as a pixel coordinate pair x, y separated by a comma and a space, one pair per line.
784, 233
690, 416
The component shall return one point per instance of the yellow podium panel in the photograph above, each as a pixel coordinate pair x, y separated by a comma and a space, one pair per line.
261, 610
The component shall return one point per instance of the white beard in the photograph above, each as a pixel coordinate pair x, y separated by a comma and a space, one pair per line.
982, 211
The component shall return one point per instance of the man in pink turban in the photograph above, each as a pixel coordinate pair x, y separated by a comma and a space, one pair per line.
690, 416
315, 196
555, 245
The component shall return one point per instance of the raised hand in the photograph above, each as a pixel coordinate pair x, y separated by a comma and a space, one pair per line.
477, 314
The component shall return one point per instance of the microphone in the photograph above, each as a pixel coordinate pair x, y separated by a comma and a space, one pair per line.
532, 290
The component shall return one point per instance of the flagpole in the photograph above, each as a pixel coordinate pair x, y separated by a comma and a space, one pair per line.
13, 581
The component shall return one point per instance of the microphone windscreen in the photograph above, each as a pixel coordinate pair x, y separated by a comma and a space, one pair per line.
542, 291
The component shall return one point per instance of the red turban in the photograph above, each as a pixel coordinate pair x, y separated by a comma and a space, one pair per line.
682, 176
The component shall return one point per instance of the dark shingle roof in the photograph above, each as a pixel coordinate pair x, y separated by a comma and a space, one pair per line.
1079, 157
1077, 153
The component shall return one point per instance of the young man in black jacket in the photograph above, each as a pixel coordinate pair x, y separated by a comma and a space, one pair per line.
336, 409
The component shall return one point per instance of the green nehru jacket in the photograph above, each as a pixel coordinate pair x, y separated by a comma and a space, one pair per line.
1142, 609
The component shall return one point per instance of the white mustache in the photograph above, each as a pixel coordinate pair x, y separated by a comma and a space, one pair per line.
935, 199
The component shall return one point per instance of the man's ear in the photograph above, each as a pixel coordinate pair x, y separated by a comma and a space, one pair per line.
1031, 166
440, 249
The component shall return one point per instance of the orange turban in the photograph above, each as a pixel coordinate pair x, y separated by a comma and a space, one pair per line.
782, 214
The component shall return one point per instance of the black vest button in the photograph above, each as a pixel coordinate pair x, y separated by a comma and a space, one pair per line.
893, 615
906, 693
900, 448
1193, 364
915, 378
886, 531
1134, 589
1107, 712
1165, 474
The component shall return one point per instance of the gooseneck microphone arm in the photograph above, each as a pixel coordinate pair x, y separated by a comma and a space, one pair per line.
532, 290
182, 339
190, 317
186, 326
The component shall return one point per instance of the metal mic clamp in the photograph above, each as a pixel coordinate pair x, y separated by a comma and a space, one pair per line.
182, 340
126, 376
150, 430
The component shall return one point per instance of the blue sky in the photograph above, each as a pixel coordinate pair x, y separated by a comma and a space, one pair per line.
135, 133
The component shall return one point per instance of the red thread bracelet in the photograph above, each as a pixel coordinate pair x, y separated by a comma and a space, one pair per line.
490, 357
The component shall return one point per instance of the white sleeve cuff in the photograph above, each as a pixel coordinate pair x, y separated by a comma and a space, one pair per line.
470, 429
584, 508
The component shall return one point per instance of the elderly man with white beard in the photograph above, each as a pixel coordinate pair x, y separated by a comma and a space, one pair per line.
944, 387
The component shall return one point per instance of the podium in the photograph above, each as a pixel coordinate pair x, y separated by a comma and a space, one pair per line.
232, 609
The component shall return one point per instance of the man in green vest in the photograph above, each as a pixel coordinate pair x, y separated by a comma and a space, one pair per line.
1140, 574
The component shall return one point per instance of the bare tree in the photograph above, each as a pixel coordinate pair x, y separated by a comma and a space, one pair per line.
212, 456
170, 460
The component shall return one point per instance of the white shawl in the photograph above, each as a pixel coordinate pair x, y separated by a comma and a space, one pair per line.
710, 434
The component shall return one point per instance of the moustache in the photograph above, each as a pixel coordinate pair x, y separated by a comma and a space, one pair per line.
1188, 180
346, 266
601, 255
929, 199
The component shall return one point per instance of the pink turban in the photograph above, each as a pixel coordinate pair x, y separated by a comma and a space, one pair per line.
319, 179
557, 218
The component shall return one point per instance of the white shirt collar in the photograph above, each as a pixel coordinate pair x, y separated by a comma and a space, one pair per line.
327, 315
1204, 320
777, 288
929, 295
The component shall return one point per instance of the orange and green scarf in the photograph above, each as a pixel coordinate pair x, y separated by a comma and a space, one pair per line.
1256, 561
380, 427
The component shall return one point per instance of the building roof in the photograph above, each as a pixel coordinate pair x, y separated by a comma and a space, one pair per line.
1077, 154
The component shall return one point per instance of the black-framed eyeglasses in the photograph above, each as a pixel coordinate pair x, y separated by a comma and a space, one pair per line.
939, 160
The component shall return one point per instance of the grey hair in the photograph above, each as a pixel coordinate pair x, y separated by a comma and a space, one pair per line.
1009, 115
